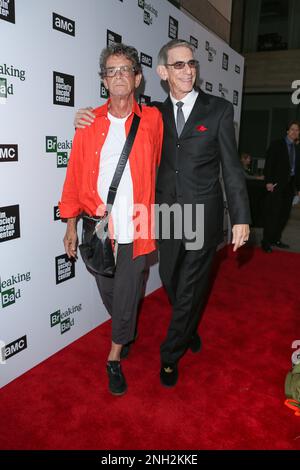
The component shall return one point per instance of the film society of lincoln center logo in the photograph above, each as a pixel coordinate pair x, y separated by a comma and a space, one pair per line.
9, 223
65, 318
14, 347
7, 10
61, 148
10, 290
149, 12
63, 89
112, 38
64, 268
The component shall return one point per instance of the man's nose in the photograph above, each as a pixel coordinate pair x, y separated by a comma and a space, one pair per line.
187, 67
118, 73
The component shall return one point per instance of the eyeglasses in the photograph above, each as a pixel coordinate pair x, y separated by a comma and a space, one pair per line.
125, 70
181, 64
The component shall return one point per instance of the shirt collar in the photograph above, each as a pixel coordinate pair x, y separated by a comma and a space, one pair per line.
189, 99
288, 140
103, 110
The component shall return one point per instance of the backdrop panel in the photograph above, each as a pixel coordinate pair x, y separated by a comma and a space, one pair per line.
48, 69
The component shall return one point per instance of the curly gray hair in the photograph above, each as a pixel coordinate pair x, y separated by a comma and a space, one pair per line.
120, 49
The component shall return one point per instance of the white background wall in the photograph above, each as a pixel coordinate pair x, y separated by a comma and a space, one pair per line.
34, 182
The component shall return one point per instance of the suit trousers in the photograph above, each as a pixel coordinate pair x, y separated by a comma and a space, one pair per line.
277, 210
121, 294
185, 275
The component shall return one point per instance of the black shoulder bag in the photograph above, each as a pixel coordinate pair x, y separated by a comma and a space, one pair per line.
96, 246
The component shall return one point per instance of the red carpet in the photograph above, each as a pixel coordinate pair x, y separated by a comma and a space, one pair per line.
229, 396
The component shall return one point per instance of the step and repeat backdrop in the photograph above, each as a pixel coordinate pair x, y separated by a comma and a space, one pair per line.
49, 67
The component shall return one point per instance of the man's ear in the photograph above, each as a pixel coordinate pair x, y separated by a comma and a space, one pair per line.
138, 79
162, 72
105, 83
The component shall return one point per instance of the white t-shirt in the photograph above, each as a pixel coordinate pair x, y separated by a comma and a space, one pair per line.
123, 205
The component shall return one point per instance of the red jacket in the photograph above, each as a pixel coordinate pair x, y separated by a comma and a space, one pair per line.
80, 192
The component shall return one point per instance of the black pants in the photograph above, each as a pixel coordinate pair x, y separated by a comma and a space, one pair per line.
185, 275
278, 206
121, 294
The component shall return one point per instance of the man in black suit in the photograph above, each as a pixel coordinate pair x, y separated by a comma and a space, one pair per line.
282, 176
198, 137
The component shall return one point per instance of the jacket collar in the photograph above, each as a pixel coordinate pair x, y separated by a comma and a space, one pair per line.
198, 112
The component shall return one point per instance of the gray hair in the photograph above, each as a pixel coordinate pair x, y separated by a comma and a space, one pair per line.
162, 58
120, 49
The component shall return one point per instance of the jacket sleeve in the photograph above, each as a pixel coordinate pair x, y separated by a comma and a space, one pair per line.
69, 205
232, 171
160, 134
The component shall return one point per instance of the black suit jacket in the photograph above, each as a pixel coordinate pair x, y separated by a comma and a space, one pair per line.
190, 165
277, 166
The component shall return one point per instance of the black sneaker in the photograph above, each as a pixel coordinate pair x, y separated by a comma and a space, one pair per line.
168, 375
117, 383
266, 247
280, 244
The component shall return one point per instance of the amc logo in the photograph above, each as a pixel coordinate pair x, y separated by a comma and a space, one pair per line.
14, 348
8, 153
65, 25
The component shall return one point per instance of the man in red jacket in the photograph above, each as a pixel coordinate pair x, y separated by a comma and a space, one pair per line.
93, 160
198, 138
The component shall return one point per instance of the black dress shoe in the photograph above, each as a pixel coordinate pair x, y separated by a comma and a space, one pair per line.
280, 244
168, 375
266, 247
195, 343
117, 383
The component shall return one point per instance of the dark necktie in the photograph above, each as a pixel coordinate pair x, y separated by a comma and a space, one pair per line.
180, 121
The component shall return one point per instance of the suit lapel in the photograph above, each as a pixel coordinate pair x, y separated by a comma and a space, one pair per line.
168, 114
198, 112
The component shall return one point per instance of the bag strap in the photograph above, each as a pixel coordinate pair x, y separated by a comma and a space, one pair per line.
122, 162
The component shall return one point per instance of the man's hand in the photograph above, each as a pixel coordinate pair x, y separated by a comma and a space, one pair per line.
240, 235
270, 187
84, 117
70, 238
